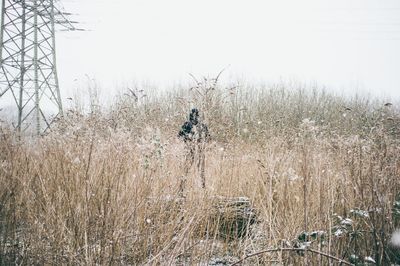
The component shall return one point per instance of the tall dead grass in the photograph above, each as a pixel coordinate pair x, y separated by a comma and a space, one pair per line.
321, 171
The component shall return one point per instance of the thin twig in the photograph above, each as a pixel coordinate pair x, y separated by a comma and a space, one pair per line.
188, 248
219, 74
195, 79
170, 243
87, 199
291, 249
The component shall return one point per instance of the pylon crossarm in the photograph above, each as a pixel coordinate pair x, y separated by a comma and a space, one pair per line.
63, 21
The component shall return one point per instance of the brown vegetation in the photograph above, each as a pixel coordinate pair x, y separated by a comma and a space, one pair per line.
321, 171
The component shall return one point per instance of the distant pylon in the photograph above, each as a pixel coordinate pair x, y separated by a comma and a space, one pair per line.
28, 61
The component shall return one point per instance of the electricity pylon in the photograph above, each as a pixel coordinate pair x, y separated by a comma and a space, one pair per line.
28, 60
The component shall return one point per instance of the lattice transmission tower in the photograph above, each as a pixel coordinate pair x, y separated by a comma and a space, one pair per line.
28, 73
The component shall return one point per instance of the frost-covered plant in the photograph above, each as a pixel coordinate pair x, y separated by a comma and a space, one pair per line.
100, 187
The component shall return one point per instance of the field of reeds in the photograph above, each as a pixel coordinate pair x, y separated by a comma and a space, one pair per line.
321, 174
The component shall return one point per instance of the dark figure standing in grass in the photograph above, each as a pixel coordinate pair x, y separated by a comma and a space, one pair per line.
195, 135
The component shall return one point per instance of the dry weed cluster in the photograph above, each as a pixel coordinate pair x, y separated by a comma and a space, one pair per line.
321, 172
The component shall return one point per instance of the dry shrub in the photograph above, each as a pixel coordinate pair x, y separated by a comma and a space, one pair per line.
320, 171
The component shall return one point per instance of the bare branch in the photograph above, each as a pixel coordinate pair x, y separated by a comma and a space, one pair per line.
292, 249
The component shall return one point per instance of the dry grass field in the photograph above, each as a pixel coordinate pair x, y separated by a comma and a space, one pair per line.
321, 173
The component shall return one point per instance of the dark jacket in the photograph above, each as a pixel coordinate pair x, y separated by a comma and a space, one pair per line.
194, 132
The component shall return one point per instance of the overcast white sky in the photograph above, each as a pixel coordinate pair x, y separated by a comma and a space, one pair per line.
343, 44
